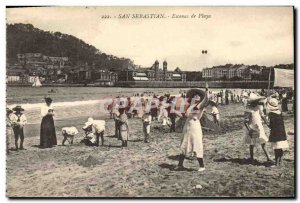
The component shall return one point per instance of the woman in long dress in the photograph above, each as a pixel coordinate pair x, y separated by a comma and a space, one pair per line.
191, 143
47, 134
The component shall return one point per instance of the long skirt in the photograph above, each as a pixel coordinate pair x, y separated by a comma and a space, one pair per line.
191, 143
280, 145
124, 135
48, 134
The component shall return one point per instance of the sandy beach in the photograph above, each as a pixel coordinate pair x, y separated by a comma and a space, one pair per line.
148, 169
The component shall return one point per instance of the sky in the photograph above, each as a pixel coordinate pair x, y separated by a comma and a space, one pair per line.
237, 35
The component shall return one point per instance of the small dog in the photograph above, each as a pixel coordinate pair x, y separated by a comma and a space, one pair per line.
68, 133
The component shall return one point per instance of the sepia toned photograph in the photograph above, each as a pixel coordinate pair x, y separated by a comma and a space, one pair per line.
150, 102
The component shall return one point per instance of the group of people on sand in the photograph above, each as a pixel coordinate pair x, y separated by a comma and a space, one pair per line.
259, 109
265, 110
16, 120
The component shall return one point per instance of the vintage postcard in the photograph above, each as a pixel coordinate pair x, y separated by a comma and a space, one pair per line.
150, 102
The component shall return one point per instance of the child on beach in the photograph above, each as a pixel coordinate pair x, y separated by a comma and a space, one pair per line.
18, 120
277, 130
255, 133
215, 113
123, 127
147, 118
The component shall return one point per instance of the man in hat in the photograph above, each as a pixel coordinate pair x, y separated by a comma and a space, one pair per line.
18, 120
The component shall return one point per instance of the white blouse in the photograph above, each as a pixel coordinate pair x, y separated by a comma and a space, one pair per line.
18, 119
45, 109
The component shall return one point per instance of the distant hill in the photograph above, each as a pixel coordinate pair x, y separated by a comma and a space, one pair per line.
25, 38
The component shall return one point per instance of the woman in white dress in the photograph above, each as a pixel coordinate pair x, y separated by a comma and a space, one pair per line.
255, 133
191, 144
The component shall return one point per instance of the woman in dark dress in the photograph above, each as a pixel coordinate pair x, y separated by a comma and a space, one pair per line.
278, 136
48, 134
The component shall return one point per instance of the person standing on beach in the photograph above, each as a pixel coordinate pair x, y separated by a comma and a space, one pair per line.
215, 113
147, 118
9, 130
284, 103
123, 127
47, 133
115, 112
255, 133
192, 143
18, 120
278, 136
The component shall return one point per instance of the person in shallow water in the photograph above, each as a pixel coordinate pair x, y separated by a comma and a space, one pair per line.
47, 134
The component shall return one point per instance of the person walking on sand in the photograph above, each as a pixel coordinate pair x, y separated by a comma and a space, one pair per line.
123, 127
255, 133
278, 136
9, 130
47, 133
191, 143
18, 120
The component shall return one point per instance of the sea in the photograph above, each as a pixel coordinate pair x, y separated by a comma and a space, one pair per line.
74, 102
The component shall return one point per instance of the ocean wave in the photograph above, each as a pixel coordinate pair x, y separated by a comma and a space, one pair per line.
56, 104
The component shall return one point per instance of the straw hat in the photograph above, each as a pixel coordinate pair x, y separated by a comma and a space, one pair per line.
272, 104
88, 123
193, 92
255, 98
18, 108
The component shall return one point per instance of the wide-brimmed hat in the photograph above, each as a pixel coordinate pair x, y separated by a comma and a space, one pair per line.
48, 99
193, 92
18, 108
255, 98
88, 123
8, 110
272, 104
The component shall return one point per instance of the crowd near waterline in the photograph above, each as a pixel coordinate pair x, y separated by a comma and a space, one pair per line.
261, 107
